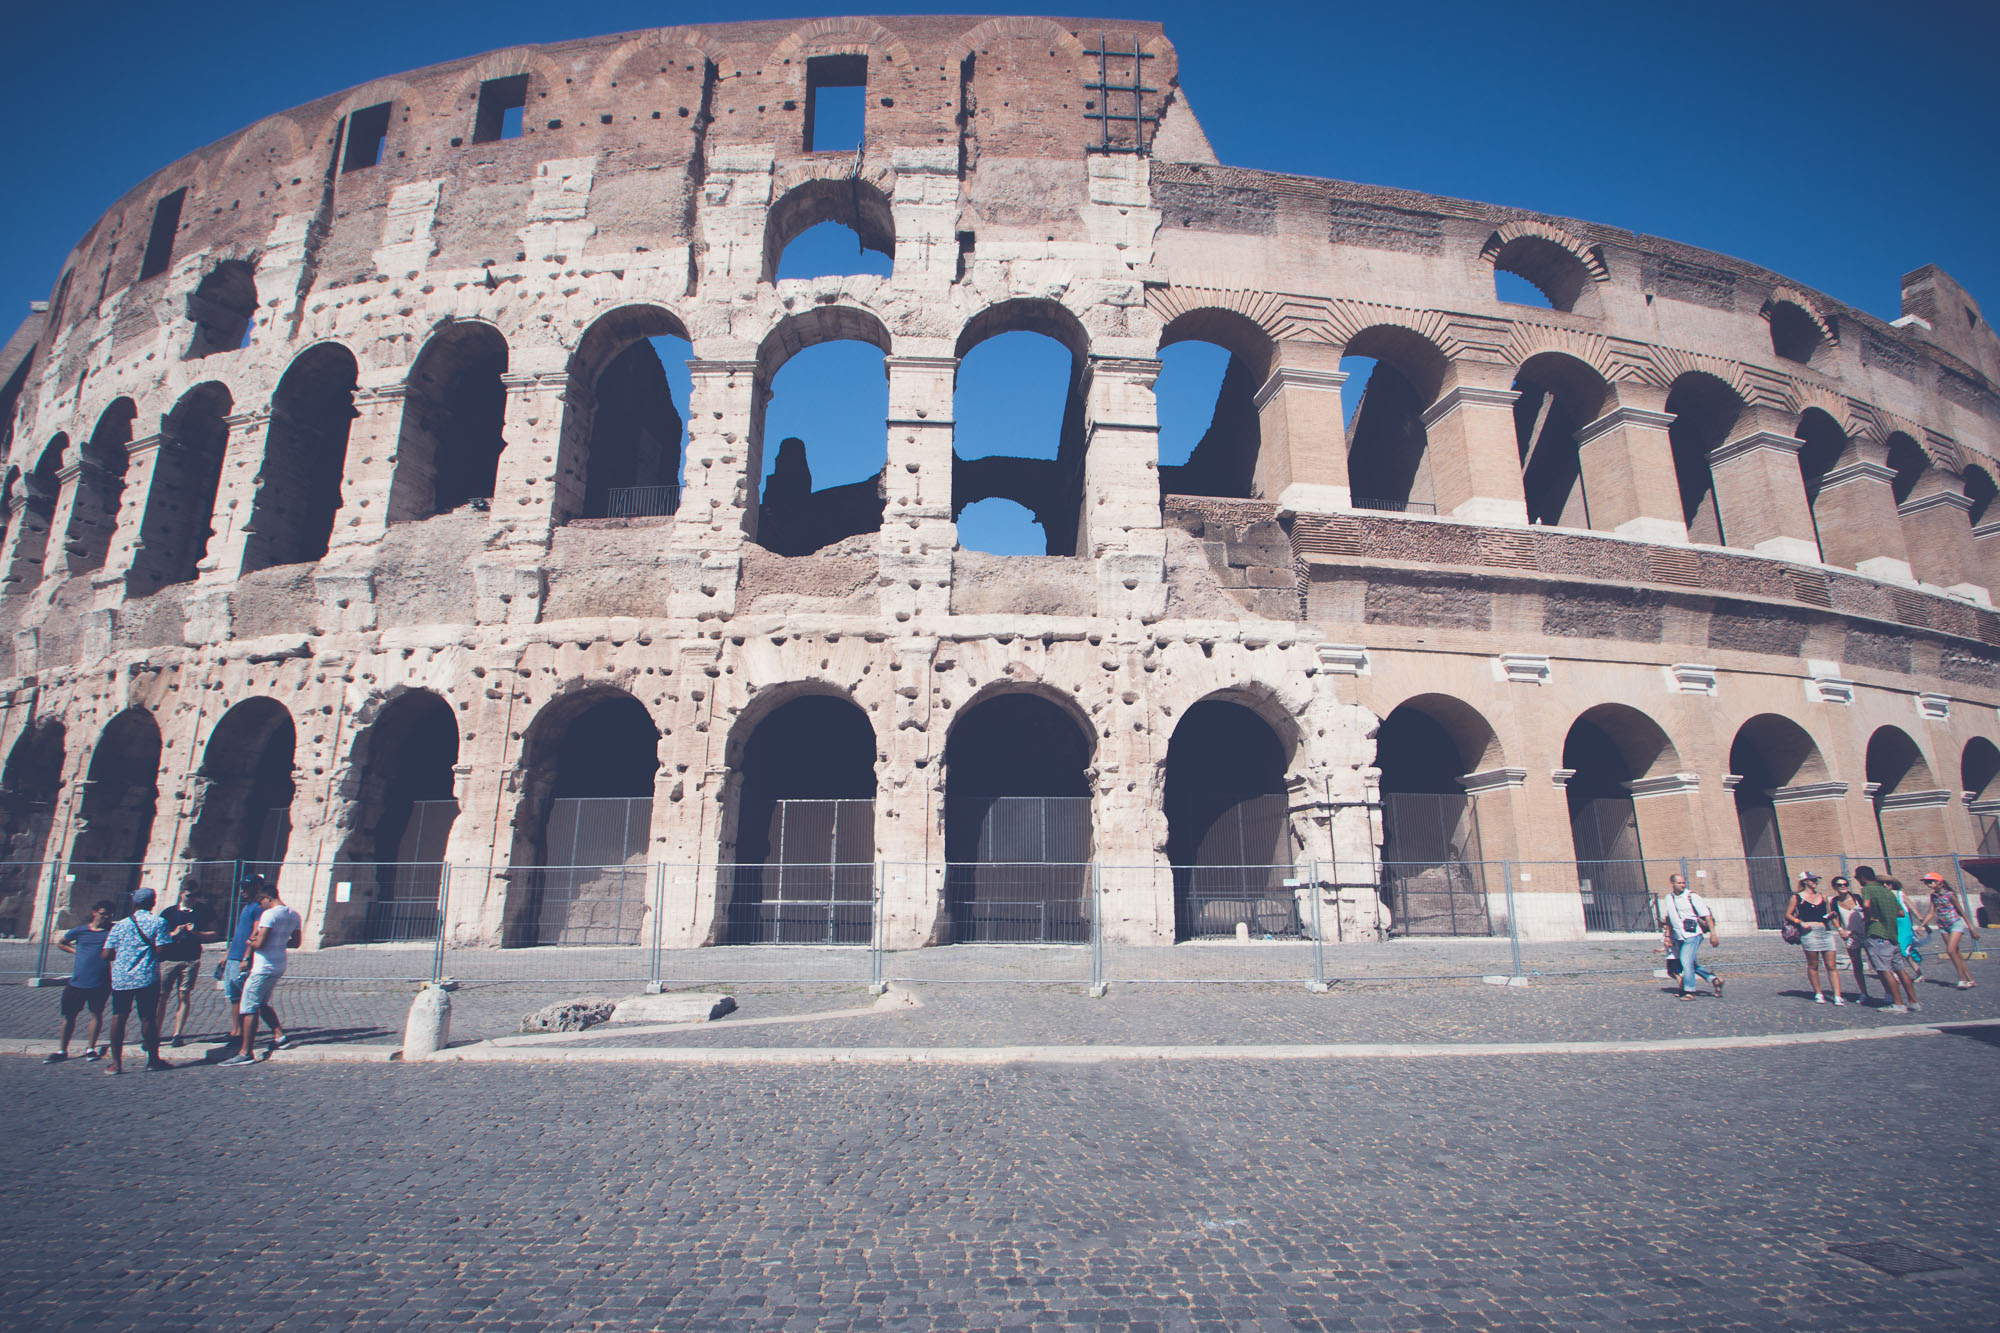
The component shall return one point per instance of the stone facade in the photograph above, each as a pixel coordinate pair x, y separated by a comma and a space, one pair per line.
1688, 501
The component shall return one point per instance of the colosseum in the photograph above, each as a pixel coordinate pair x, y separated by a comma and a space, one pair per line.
352, 526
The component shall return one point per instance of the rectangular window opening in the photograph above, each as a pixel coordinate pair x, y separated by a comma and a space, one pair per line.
836, 103
160, 240
366, 131
501, 102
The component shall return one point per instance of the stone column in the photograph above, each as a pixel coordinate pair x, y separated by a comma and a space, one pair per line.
1916, 824
1547, 891
1759, 490
1120, 523
1302, 434
1937, 524
1627, 461
1128, 816
1986, 547
530, 493
918, 534
1859, 527
719, 488
691, 797
481, 847
235, 497
26, 548
126, 546
1499, 800
1812, 820
909, 802
372, 493
1475, 459
69, 483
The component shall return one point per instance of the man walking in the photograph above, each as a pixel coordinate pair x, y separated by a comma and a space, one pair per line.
89, 982
1885, 955
133, 950
278, 929
236, 966
1686, 920
189, 926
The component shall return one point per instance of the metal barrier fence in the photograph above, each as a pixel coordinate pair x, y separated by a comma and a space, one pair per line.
977, 922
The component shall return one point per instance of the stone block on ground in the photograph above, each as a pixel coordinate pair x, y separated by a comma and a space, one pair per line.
686, 1007
570, 1015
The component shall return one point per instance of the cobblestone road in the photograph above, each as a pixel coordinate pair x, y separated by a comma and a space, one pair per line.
1641, 1192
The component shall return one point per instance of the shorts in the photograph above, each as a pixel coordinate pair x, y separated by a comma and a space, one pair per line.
258, 988
1818, 939
178, 979
1884, 957
232, 981
76, 998
146, 999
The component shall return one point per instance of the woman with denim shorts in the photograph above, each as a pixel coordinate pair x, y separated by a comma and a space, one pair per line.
1818, 918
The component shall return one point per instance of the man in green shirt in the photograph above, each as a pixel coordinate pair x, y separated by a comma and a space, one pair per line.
1885, 956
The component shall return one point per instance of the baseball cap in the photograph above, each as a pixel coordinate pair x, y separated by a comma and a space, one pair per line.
142, 897
1805, 875
1932, 877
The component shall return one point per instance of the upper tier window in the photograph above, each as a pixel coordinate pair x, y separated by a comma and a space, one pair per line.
502, 106
836, 103
366, 131
160, 240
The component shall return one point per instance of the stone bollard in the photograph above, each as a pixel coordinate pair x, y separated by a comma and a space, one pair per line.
429, 1025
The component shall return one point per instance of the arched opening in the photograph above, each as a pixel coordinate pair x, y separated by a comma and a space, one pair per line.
454, 409
625, 422
1705, 410
1228, 831
805, 827
583, 824
1017, 403
1017, 823
1770, 755
1823, 445
1979, 779
180, 504
1607, 750
243, 810
100, 488
1905, 797
1795, 335
1433, 877
41, 489
115, 817
222, 309
1909, 462
1979, 489
1533, 270
1559, 396
1393, 375
1212, 363
1001, 527
29, 785
829, 410
305, 456
403, 805
830, 228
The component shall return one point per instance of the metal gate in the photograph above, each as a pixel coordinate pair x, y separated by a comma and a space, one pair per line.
818, 885
1764, 858
1609, 871
1027, 881
1431, 877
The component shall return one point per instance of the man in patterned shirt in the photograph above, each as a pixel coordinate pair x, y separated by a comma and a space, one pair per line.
133, 948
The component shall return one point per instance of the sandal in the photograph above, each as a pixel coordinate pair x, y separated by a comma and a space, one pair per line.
1687, 995
1717, 983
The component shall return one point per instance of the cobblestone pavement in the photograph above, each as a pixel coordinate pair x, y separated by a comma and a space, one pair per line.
1767, 993
1642, 1192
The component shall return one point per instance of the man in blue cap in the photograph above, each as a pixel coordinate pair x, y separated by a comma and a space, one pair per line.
133, 948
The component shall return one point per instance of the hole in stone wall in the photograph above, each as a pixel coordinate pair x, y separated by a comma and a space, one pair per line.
244, 811
28, 789
100, 486
366, 131
403, 811
500, 113
638, 429
222, 309
1909, 462
829, 411
830, 228
1535, 271
1228, 837
1705, 411
160, 237
1822, 445
836, 103
1794, 334
175, 529
448, 452
115, 816
1387, 445
305, 454
41, 491
1012, 402
1432, 882
1559, 395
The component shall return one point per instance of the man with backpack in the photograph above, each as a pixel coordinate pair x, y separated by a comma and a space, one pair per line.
133, 948
1686, 920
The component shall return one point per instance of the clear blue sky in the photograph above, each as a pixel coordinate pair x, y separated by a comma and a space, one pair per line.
1840, 143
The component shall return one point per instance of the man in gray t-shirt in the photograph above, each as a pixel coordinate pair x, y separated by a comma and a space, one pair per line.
278, 930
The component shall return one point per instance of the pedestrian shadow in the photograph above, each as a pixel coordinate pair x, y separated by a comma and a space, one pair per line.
1989, 1036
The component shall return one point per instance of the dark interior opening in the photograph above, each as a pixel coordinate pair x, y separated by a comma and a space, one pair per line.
160, 237
1228, 830
1017, 823
366, 130
836, 103
1604, 829
502, 109
305, 456
115, 816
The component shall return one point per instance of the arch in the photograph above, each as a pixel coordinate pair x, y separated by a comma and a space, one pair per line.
179, 517
621, 450
1823, 444
804, 847
839, 400
41, 491
1400, 372
100, 488
1017, 820
1017, 401
1559, 396
1979, 779
1552, 268
454, 411
1607, 750
1905, 796
115, 816
243, 810
1228, 834
1909, 462
298, 495
1433, 881
583, 823
1795, 334
1052, 319
401, 805
1770, 756
1224, 447
1979, 489
1705, 410
222, 309
29, 786
848, 202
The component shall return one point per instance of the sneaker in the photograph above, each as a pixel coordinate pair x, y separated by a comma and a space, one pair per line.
54, 1058
1818, 998
1897, 1009
178, 1041
1915, 1007
239, 1059
1964, 985
94, 1053
157, 1063
284, 1043
1838, 1000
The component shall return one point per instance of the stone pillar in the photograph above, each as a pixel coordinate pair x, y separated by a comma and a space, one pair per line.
1760, 492
1499, 802
1859, 527
1120, 523
369, 489
691, 797
1475, 459
26, 547
1548, 895
925, 208
1986, 547
1302, 434
909, 801
1627, 461
530, 493
235, 497
126, 545
69, 483
1812, 820
918, 534
1128, 816
719, 489
1937, 524
481, 845
1915, 824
